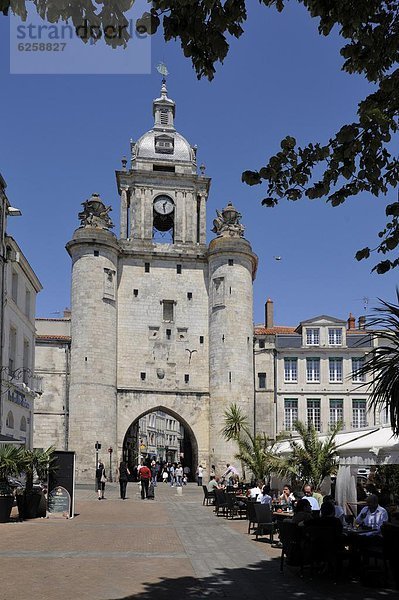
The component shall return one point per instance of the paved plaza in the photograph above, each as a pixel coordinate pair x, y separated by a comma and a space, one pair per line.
171, 547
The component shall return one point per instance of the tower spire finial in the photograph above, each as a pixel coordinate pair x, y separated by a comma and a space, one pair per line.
162, 69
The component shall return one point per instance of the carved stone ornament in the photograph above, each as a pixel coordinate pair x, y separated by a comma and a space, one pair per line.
95, 213
227, 222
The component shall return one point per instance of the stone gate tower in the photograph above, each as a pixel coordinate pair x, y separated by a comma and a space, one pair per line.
159, 319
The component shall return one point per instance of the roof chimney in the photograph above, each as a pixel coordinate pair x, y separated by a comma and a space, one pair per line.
269, 313
362, 322
351, 322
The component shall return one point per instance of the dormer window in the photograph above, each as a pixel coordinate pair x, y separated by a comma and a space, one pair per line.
335, 336
164, 144
313, 336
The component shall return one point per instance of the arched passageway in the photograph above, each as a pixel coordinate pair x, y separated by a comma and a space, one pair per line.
160, 434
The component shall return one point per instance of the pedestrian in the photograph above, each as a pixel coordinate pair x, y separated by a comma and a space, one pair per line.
171, 475
101, 479
154, 473
187, 471
123, 473
145, 476
200, 474
179, 475
165, 475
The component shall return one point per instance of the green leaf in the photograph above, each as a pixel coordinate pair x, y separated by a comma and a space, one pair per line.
251, 177
361, 254
288, 143
382, 267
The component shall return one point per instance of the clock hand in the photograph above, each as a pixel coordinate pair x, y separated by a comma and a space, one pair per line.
164, 206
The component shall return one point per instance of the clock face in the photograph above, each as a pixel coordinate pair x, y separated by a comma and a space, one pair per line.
163, 205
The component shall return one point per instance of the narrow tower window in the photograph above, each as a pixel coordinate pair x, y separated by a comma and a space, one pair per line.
231, 262
186, 378
167, 306
96, 253
136, 293
143, 376
201, 339
189, 295
178, 269
146, 267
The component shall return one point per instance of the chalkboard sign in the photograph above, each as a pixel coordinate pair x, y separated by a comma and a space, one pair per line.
62, 474
59, 502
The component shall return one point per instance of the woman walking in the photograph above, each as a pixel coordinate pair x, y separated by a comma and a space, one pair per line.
101, 479
123, 473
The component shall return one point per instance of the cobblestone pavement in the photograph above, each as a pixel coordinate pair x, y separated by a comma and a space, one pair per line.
169, 548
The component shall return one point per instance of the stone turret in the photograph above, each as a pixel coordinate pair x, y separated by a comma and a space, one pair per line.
94, 253
232, 269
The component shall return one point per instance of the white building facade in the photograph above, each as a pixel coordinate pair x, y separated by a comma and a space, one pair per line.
309, 373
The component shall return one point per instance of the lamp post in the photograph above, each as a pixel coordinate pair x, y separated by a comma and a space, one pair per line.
110, 450
97, 447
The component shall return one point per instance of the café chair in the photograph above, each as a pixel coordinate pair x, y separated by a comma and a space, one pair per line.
290, 535
251, 515
207, 496
220, 502
323, 549
390, 539
264, 522
234, 506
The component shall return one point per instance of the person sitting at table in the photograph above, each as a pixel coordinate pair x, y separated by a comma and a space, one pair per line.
338, 510
213, 484
287, 497
372, 516
302, 512
265, 497
327, 518
319, 496
256, 490
308, 491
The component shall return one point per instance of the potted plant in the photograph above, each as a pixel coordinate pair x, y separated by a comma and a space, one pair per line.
10, 464
34, 462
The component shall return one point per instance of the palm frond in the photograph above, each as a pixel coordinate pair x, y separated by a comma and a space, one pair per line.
234, 423
381, 369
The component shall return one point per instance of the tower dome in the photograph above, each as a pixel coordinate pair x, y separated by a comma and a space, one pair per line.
163, 145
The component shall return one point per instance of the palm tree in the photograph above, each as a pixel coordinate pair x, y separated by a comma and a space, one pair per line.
235, 422
10, 461
382, 365
311, 459
257, 453
36, 461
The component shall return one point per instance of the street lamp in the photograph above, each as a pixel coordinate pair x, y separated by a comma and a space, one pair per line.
110, 450
97, 447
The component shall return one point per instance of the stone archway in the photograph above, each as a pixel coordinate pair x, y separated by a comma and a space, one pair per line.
191, 410
132, 452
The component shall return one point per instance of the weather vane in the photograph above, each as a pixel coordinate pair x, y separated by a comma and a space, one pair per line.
162, 69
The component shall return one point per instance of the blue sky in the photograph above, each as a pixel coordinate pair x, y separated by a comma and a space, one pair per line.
62, 137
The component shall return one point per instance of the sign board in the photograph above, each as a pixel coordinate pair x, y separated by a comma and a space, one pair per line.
59, 502
62, 475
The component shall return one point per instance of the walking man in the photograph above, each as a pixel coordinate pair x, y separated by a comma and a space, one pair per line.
145, 476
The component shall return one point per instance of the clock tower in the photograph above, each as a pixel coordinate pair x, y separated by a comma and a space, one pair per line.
162, 197
160, 320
